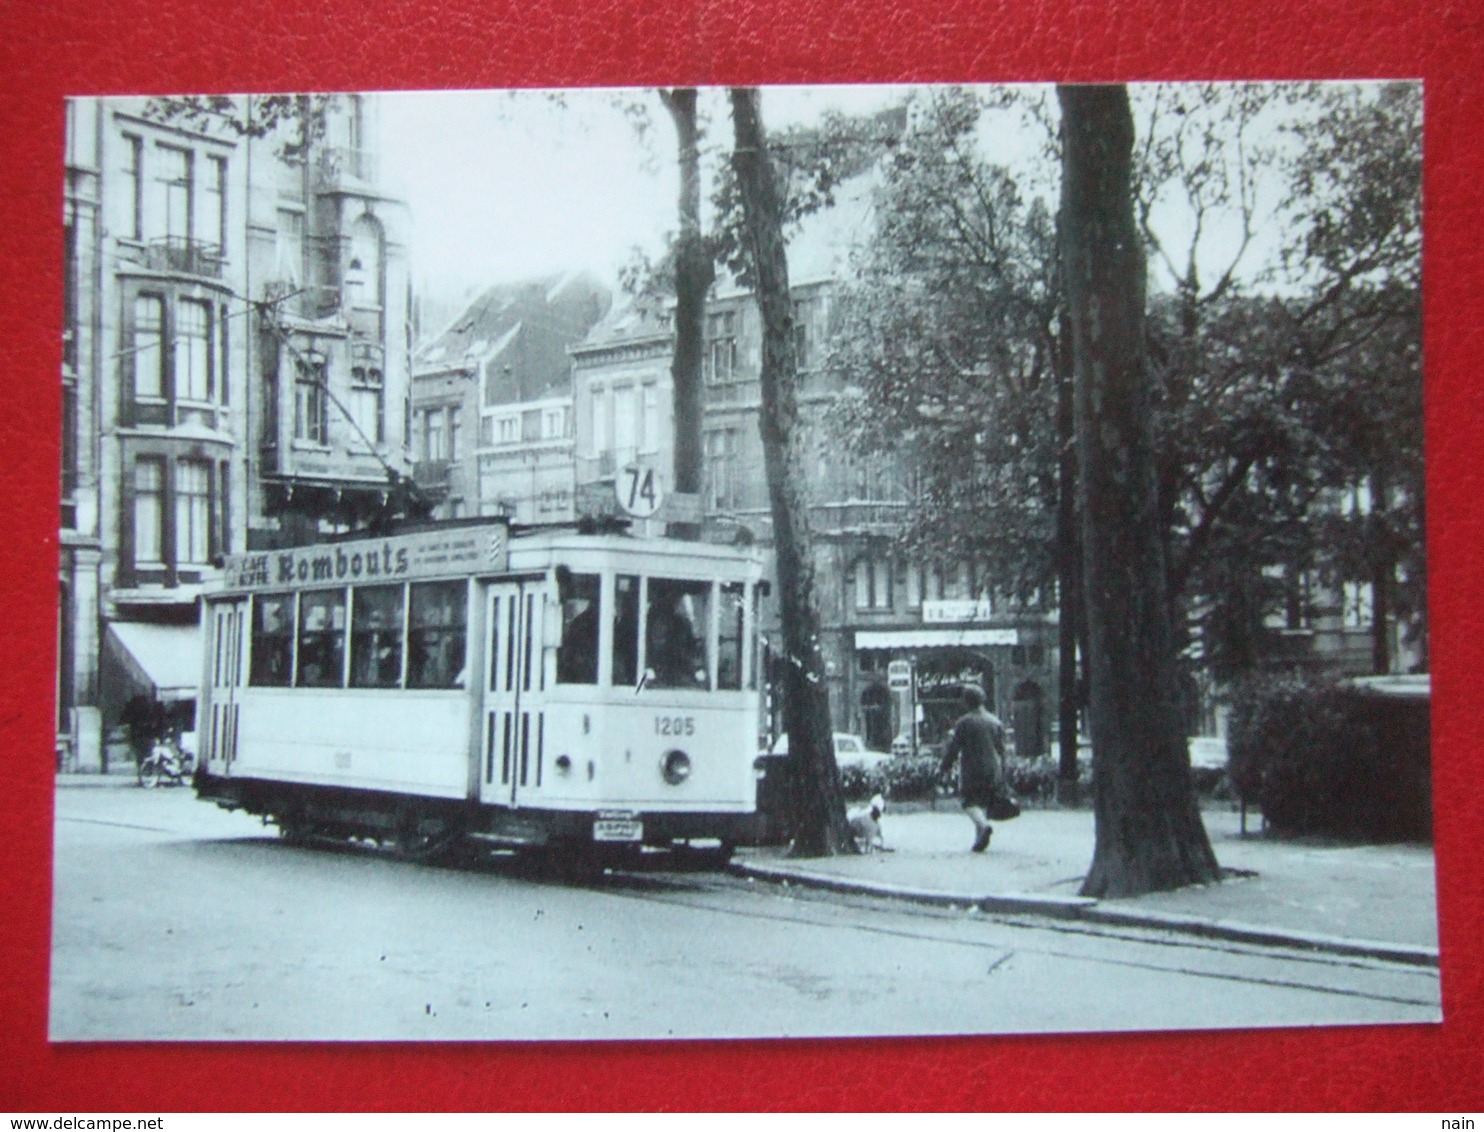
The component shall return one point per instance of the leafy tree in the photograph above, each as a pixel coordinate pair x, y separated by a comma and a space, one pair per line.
956, 349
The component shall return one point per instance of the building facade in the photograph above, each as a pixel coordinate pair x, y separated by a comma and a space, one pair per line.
877, 606
203, 265
492, 406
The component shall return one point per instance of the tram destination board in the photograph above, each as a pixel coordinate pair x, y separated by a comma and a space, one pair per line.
461, 550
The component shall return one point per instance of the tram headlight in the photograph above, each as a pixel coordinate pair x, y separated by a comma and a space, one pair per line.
675, 767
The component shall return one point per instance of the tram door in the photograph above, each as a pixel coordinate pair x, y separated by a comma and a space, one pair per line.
514, 716
227, 621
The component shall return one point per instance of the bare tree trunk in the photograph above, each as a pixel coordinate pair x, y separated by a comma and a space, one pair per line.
694, 273
819, 822
1149, 834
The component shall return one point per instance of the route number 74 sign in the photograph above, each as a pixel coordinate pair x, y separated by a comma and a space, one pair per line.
639, 490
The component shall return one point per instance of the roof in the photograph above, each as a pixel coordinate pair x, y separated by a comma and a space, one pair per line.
631, 321
519, 332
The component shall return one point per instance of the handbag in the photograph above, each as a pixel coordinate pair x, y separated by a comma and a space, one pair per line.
1003, 806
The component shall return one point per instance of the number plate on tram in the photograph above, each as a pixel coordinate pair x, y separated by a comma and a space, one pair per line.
617, 825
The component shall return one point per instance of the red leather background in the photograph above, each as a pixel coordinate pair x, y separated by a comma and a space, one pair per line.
114, 46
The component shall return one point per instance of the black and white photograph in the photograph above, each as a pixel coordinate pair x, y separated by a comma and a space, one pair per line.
742, 562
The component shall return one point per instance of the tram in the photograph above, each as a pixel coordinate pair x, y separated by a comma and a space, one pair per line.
470, 684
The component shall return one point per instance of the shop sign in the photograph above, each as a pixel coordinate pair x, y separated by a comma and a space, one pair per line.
955, 611
462, 550
899, 675
933, 680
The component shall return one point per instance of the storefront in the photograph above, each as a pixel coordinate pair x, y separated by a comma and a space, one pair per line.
1010, 663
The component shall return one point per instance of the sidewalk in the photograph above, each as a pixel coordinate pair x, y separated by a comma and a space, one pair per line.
121, 776
1366, 900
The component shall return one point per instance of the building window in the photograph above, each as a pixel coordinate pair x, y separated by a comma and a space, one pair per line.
216, 200
133, 195
149, 348
455, 430
721, 454
69, 453
192, 513
555, 427
1358, 609
366, 401
193, 351
600, 434
288, 243
625, 423
509, 430
649, 424
321, 639
721, 347
309, 402
914, 587
70, 284
149, 511
803, 334
175, 176
433, 433
872, 583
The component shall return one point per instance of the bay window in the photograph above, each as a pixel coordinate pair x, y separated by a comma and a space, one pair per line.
192, 513
149, 511
193, 339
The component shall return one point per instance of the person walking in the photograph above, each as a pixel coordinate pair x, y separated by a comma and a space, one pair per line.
978, 744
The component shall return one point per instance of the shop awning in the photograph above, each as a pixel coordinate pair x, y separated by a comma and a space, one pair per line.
933, 638
162, 661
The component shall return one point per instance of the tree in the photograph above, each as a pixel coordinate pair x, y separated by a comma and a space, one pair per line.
820, 827
1149, 834
956, 347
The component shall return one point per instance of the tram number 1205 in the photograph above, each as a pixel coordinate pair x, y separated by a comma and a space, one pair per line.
674, 725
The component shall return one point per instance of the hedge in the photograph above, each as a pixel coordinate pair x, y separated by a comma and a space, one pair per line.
1318, 757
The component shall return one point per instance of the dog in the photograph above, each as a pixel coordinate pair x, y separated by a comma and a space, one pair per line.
865, 826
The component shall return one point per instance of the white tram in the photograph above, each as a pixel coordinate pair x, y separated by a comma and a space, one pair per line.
464, 684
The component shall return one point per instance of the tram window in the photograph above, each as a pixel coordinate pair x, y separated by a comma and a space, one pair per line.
675, 631
625, 630
321, 639
729, 638
435, 635
577, 658
272, 640
376, 637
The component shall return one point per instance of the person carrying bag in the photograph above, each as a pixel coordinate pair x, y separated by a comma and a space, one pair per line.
978, 745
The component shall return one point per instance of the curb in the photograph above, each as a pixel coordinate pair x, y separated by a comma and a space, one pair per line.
1088, 910
74, 780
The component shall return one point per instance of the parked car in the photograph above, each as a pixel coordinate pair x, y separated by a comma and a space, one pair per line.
850, 750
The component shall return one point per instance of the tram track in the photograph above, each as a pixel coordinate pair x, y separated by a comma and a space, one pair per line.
1148, 949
